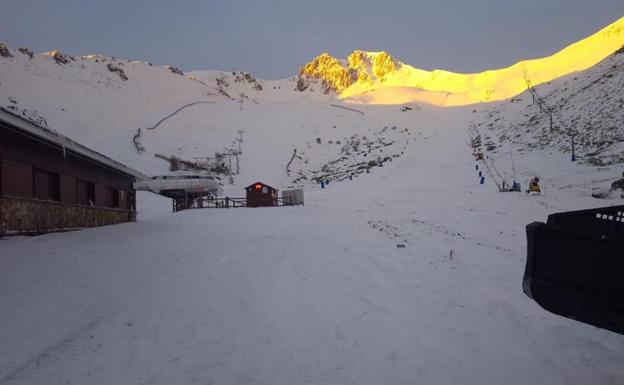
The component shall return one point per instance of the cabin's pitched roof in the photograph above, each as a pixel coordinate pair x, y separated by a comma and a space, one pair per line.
264, 184
64, 143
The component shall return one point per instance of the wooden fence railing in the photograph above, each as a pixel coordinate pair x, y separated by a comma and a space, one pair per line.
209, 202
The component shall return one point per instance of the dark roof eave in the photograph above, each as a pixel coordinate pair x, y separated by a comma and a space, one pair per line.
66, 143
264, 184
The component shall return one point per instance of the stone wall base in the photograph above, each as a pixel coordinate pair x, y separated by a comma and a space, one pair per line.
24, 215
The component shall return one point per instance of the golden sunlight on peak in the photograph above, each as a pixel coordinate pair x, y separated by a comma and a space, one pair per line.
376, 78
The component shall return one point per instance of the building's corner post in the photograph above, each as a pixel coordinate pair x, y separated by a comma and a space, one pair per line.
3, 226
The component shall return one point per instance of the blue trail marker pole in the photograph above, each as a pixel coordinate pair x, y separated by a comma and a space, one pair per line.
482, 180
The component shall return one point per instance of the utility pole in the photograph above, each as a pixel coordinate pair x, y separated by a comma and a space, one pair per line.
572, 134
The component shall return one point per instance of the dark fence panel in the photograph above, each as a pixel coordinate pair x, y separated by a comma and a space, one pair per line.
575, 266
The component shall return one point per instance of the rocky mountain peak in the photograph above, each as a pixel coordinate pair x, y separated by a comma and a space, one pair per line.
360, 66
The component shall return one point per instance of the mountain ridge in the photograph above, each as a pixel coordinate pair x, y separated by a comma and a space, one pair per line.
363, 73
108, 104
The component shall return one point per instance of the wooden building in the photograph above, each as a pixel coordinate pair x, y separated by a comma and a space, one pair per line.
49, 182
292, 197
261, 195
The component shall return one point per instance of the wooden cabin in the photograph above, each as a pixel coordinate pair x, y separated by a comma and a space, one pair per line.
49, 182
261, 195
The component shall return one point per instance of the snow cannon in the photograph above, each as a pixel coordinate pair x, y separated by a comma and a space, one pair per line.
575, 266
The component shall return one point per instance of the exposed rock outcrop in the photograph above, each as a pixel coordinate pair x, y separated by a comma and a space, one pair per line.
329, 69
360, 67
246, 77
175, 70
4, 51
116, 69
302, 84
59, 57
26, 52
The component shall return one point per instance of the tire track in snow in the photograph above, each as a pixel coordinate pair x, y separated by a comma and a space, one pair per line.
49, 352
178, 110
348, 109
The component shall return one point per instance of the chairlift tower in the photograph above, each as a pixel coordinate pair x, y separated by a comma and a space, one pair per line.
240, 140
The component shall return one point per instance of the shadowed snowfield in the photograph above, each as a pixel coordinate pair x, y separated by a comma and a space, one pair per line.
319, 294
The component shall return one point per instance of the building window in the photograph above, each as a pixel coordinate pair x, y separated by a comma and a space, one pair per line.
115, 200
111, 197
85, 193
46, 185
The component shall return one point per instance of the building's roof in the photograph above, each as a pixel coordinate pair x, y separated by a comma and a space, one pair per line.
264, 184
63, 142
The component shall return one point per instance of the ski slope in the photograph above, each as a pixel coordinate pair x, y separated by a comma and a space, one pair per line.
409, 273
316, 294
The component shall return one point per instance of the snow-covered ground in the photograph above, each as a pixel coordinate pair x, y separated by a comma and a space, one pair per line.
317, 294
320, 294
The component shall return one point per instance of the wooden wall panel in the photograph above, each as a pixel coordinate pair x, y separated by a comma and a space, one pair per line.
100, 195
16, 178
20, 154
68, 189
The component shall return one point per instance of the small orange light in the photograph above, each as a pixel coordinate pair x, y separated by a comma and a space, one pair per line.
258, 186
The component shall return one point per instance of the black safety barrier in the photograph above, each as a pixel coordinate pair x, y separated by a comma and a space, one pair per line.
575, 266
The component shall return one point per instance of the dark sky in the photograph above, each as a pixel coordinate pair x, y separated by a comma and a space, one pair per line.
273, 38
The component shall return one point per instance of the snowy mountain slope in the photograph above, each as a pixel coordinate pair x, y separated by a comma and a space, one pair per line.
94, 105
241, 85
343, 154
100, 109
377, 78
314, 294
409, 273
588, 104
84, 99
